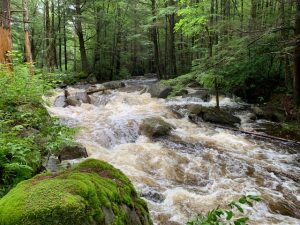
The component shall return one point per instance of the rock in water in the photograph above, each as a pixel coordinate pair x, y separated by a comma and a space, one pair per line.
114, 84
202, 94
73, 101
74, 151
93, 192
213, 115
155, 127
60, 101
158, 90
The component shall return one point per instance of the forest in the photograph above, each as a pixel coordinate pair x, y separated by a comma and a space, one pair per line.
188, 112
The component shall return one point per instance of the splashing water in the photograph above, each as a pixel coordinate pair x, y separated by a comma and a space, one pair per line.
195, 170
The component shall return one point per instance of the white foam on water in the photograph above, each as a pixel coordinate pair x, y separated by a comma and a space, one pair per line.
212, 167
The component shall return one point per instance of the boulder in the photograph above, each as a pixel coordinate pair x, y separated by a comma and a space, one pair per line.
92, 192
60, 101
155, 127
83, 97
202, 94
212, 115
182, 92
269, 113
72, 101
51, 164
158, 90
74, 151
114, 84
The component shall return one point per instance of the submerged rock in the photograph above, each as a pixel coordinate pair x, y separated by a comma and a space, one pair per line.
155, 127
213, 115
158, 90
93, 192
74, 151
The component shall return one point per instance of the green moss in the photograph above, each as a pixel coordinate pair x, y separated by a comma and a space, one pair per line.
73, 197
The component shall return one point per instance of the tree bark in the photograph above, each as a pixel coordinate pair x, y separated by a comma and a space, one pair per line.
155, 40
172, 49
27, 36
59, 36
297, 56
65, 39
79, 31
5, 32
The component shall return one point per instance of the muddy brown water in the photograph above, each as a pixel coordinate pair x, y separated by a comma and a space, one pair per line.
197, 168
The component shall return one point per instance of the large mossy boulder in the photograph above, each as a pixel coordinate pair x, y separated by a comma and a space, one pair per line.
155, 127
212, 115
93, 192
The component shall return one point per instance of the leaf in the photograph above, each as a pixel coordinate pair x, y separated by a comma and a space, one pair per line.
229, 216
241, 221
235, 204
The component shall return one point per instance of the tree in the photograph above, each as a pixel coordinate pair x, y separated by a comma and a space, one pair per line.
297, 56
5, 32
28, 53
154, 34
79, 32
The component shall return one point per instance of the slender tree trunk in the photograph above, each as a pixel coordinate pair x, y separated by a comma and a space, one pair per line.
65, 39
27, 36
172, 48
48, 36
97, 52
5, 32
155, 40
59, 36
75, 53
79, 31
297, 56
53, 36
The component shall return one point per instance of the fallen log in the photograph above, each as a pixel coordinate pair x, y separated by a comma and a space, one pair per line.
261, 135
255, 134
97, 90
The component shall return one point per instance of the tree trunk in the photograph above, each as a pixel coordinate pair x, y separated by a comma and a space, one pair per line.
48, 37
65, 39
155, 40
27, 36
5, 32
172, 49
79, 31
53, 36
59, 36
297, 56
97, 52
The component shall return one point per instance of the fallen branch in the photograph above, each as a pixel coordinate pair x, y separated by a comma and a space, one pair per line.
260, 135
266, 136
97, 90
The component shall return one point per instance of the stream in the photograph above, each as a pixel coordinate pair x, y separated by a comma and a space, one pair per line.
198, 167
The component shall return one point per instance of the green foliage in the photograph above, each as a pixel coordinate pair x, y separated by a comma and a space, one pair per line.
179, 83
27, 132
219, 216
192, 21
77, 196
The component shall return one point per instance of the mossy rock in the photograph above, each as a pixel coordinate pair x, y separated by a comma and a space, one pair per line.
155, 127
93, 192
